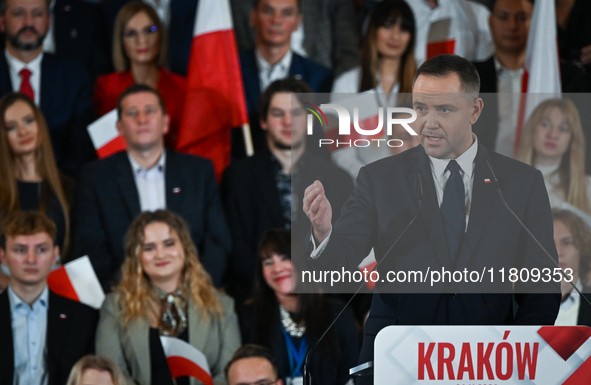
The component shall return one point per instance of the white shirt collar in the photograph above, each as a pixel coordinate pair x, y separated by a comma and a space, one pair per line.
16, 65
465, 160
283, 64
499, 68
135, 166
15, 301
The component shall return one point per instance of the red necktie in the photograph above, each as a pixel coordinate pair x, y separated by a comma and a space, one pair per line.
26, 84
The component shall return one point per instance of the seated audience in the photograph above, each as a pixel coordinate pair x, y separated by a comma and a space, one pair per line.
96, 370
553, 141
252, 364
327, 35
501, 75
164, 292
265, 191
139, 56
573, 243
113, 191
289, 324
42, 335
30, 177
272, 59
387, 69
61, 89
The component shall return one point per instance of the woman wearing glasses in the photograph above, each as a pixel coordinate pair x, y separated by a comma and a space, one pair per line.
139, 56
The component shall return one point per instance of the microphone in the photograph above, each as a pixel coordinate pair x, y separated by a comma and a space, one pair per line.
532, 236
419, 191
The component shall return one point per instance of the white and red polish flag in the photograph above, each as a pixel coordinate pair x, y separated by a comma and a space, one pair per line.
214, 101
185, 360
541, 75
105, 137
77, 281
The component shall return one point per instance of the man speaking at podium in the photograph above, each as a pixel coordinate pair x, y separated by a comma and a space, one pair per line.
451, 181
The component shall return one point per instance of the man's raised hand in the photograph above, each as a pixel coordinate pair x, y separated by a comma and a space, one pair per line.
318, 209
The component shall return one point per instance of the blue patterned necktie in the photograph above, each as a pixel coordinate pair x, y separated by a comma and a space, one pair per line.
453, 209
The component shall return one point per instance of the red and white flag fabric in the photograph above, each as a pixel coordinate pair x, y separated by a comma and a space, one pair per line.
185, 360
215, 101
105, 137
541, 75
77, 281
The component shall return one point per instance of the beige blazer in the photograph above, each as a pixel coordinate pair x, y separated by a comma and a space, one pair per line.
129, 347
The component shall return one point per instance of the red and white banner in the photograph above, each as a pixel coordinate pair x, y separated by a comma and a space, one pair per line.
77, 281
185, 360
465, 355
215, 101
105, 137
541, 76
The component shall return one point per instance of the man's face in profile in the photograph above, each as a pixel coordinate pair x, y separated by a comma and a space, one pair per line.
445, 115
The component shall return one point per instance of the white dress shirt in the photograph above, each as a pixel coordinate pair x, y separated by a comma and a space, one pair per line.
440, 177
29, 330
150, 183
568, 314
268, 73
15, 66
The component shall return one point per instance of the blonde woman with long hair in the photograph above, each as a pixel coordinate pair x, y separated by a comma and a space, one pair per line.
164, 290
92, 369
553, 141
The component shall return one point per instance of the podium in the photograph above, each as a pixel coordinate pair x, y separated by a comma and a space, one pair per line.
466, 355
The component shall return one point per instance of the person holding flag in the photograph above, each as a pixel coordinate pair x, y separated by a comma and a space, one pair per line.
165, 291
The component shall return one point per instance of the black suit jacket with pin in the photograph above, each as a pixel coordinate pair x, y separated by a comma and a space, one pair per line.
384, 202
71, 327
107, 201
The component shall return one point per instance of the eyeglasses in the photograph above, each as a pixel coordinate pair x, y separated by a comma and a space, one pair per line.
262, 382
146, 32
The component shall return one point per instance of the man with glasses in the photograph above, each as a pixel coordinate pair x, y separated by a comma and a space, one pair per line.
252, 365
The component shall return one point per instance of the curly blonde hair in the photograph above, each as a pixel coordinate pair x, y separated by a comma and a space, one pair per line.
138, 298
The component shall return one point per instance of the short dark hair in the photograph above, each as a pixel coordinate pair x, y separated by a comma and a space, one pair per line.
136, 89
298, 3
292, 85
26, 223
252, 351
494, 2
444, 65
4, 6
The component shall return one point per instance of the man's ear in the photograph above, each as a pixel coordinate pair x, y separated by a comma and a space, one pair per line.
166, 124
56, 252
477, 107
2, 19
263, 124
2, 256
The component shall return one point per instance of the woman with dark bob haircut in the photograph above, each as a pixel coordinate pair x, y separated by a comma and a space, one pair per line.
164, 291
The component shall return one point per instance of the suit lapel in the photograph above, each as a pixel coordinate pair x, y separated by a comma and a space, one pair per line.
250, 76
139, 339
6, 344
47, 86
267, 188
430, 212
126, 184
483, 196
198, 329
5, 82
173, 183
57, 326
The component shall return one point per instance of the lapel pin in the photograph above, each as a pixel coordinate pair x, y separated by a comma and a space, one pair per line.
62, 316
176, 190
487, 181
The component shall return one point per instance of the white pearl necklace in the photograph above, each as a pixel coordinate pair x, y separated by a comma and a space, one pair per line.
289, 325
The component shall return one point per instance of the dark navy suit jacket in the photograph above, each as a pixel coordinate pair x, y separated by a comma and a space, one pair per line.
71, 328
107, 201
319, 78
66, 97
384, 202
